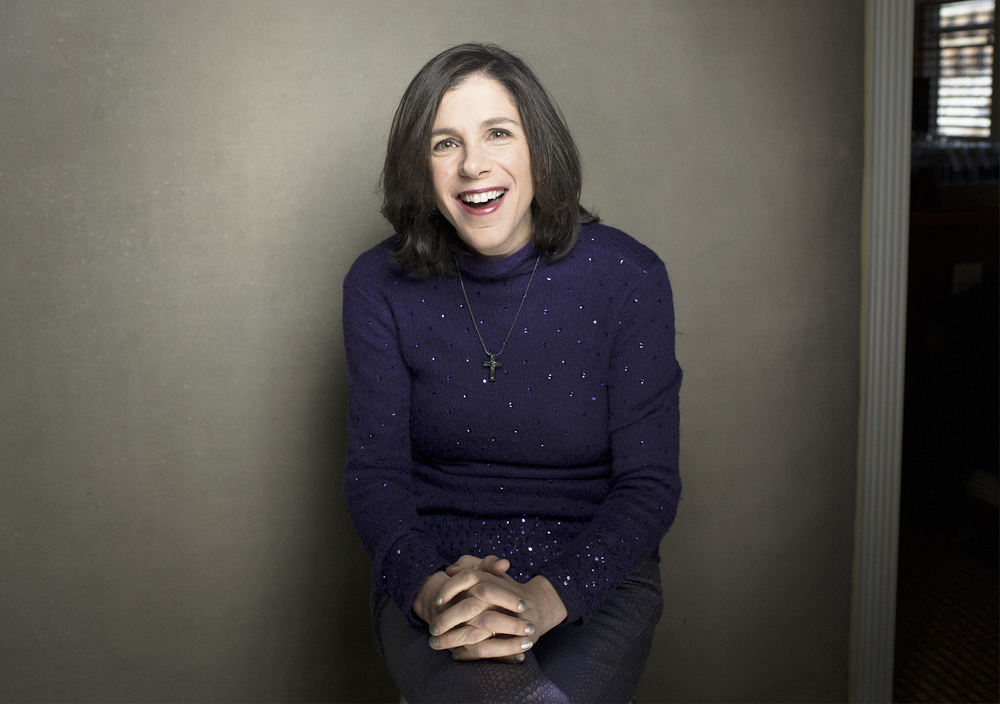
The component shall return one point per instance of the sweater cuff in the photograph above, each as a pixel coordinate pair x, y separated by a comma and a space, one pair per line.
567, 596
573, 614
402, 578
406, 607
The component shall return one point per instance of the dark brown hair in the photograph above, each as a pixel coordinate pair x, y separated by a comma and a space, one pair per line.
406, 183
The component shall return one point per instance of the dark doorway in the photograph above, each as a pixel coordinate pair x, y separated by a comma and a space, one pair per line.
947, 619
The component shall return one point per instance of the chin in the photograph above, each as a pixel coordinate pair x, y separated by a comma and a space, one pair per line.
492, 246
486, 250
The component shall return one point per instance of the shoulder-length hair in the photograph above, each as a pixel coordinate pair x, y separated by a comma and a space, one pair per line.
406, 183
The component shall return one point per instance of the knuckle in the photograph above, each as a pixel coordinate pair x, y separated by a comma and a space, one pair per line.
474, 649
464, 637
487, 592
483, 622
451, 639
471, 607
466, 579
493, 621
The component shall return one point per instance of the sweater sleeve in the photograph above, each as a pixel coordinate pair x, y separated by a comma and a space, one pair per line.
378, 468
643, 391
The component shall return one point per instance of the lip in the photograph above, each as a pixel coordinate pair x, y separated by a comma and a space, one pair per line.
482, 211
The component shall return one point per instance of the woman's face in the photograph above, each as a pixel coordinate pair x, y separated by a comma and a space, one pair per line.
481, 167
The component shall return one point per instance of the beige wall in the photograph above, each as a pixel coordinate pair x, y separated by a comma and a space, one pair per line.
183, 186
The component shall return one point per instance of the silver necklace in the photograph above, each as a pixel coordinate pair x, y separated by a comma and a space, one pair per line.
493, 363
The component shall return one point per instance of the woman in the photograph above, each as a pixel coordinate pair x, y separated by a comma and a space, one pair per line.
512, 460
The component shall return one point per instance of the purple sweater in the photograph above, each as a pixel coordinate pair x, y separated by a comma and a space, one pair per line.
566, 465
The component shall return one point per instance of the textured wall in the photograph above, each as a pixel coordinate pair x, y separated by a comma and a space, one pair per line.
183, 186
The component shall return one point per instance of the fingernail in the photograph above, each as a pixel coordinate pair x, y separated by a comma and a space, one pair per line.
454, 655
521, 606
438, 600
526, 643
434, 629
435, 643
528, 629
518, 657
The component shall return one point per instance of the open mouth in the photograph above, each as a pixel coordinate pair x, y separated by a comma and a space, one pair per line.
483, 199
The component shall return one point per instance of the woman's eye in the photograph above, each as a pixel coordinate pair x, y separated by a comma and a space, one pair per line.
499, 134
444, 144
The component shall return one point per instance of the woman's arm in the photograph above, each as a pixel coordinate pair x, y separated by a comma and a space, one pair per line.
643, 388
377, 471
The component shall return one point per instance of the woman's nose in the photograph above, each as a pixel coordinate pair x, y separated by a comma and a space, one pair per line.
476, 161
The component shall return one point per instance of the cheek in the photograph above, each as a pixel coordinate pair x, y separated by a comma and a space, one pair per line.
439, 183
441, 200
524, 166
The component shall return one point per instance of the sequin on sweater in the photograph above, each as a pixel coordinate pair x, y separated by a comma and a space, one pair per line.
566, 465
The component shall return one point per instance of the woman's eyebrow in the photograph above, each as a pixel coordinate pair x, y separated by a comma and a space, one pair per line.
491, 122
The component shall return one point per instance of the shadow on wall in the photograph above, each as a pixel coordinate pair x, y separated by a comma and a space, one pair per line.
336, 646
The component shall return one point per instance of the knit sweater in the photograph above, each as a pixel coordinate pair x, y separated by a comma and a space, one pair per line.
566, 465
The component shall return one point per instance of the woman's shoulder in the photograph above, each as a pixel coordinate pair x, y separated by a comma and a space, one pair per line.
612, 247
376, 264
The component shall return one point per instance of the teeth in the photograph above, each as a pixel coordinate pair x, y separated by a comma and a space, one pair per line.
482, 197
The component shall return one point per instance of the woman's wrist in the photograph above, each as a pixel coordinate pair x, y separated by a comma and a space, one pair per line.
423, 604
549, 602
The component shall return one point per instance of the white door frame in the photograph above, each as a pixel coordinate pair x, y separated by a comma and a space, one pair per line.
885, 240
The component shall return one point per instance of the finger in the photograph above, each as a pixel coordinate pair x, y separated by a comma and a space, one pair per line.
483, 585
490, 563
456, 585
515, 659
497, 648
458, 637
456, 615
498, 596
465, 562
497, 622
494, 565
464, 655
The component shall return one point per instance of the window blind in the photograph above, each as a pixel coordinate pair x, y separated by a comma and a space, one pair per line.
957, 59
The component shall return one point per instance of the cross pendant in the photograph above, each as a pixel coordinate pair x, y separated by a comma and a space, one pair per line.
492, 363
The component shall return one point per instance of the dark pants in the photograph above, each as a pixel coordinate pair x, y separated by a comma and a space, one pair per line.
598, 662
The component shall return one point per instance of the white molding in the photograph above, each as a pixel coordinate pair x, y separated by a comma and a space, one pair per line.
889, 67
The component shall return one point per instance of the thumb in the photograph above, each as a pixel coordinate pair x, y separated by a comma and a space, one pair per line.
465, 562
495, 565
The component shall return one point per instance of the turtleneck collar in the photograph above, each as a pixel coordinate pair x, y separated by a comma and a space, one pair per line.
520, 262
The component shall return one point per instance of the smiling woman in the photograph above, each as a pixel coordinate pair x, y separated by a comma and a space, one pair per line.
410, 203
512, 506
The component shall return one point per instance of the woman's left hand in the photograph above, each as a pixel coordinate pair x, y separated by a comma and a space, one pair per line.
488, 604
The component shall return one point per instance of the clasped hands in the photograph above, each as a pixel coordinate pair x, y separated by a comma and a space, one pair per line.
476, 610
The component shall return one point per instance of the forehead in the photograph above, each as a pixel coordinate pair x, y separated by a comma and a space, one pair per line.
476, 98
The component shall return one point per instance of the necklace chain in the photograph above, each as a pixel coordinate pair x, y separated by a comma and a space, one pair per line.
492, 363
